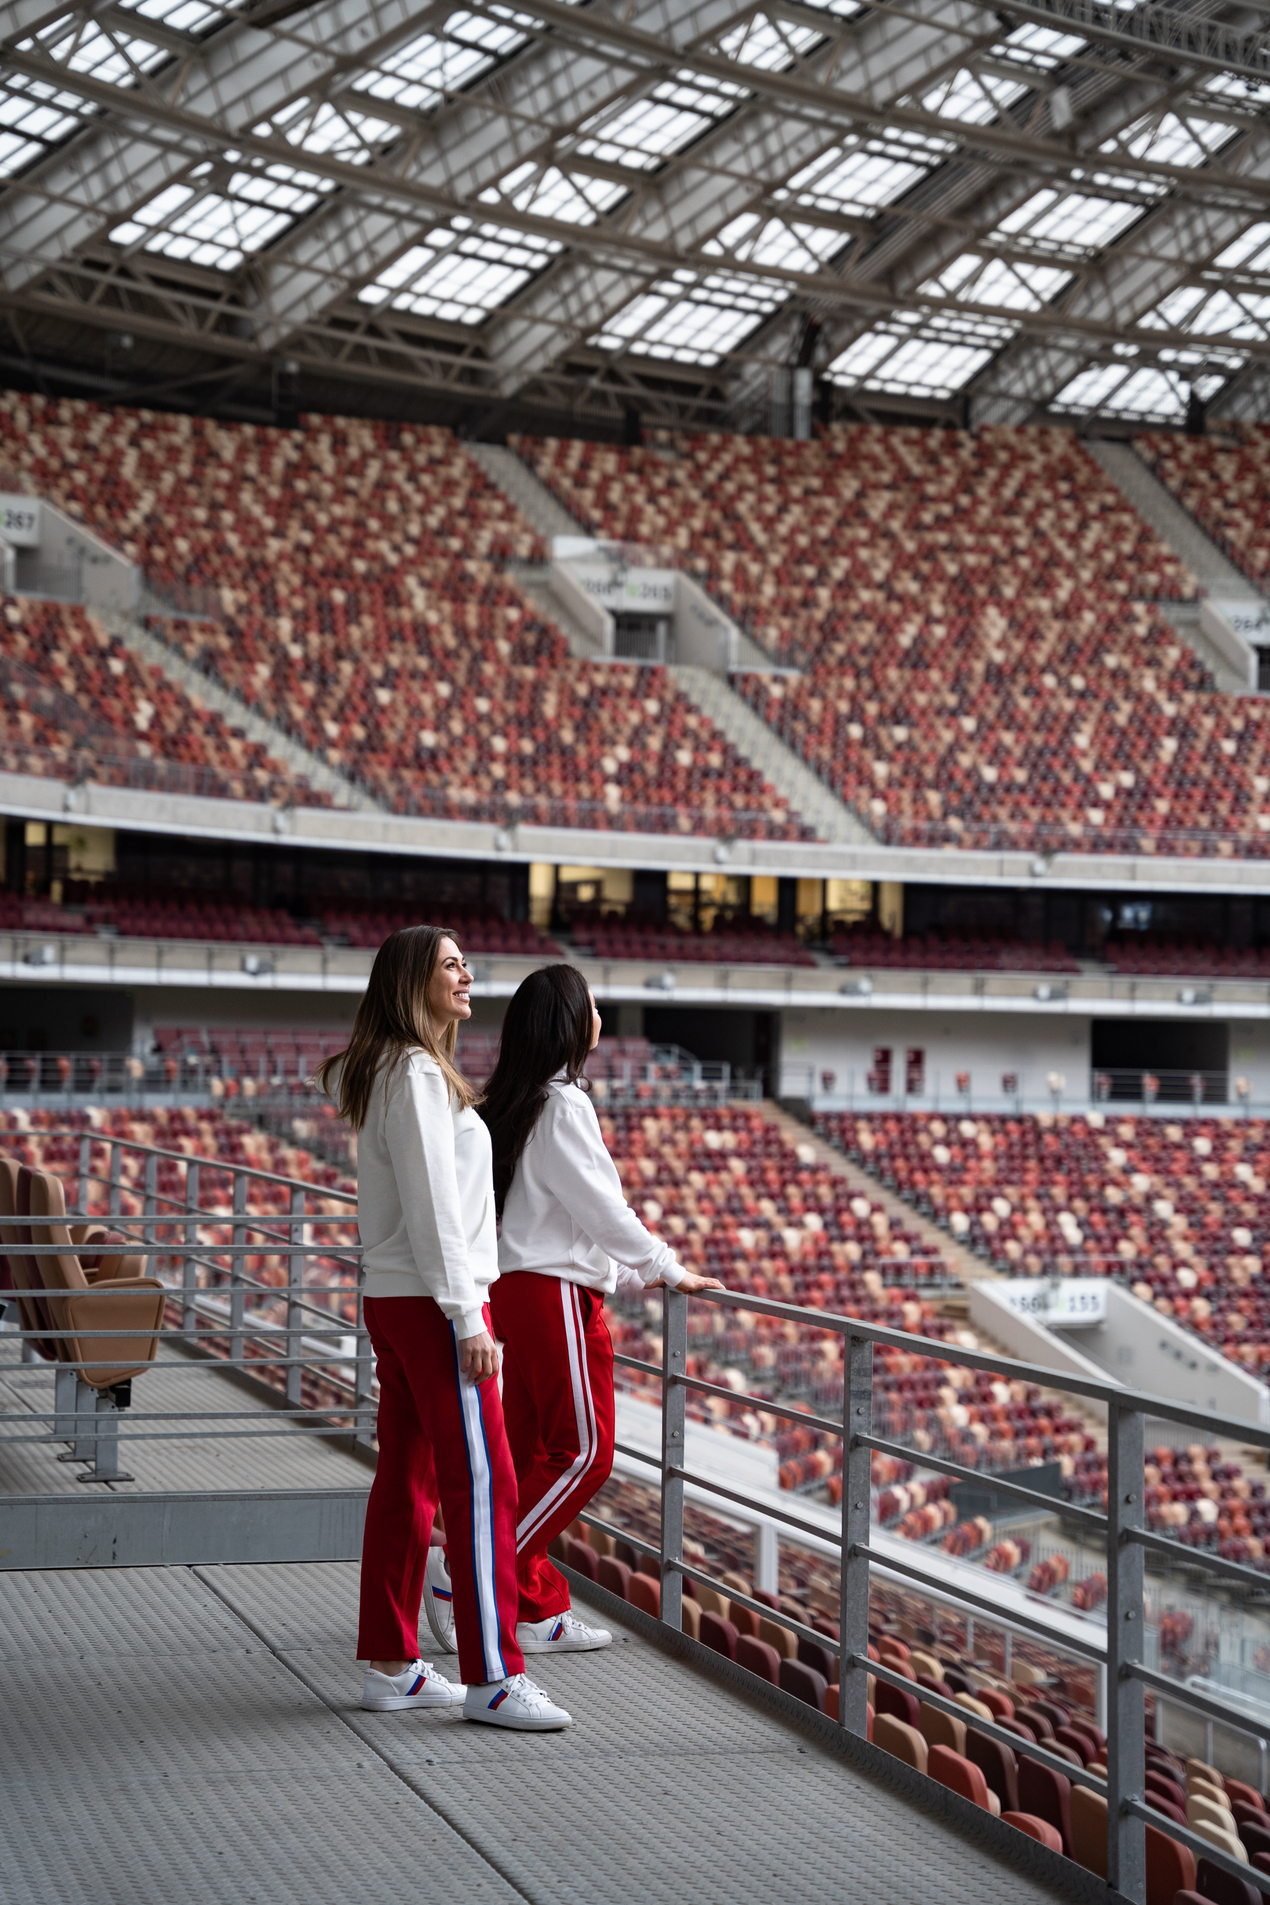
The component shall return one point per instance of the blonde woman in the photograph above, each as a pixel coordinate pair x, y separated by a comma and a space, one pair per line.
425, 1211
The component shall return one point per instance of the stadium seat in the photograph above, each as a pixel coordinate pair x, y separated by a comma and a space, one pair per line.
960, 1775
999, 1766
75, 1304
804, 1683
1212, 1882
1170, 1867
614, 1575
758, 1658
646, 1594
902, 1706
1089, 1830
718, 1634
1037, 1829
1047, 1794
940, 1729
904, 1742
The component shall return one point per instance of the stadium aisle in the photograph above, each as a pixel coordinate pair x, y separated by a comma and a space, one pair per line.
196, 1734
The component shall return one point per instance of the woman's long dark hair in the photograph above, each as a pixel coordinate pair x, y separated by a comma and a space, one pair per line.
547, 1030
392, 1020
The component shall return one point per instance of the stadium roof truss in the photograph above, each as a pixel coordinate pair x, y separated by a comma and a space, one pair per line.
1038, 208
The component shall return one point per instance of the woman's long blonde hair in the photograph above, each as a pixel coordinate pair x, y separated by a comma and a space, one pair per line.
392, 1020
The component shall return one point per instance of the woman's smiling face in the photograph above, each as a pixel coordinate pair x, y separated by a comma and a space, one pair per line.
450, 987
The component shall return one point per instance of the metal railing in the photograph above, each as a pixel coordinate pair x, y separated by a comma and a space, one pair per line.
259, 1277
1122, 1531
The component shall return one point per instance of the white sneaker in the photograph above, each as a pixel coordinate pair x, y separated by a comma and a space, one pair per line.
438, 1600
517, 1703
418, 1685
560, 1634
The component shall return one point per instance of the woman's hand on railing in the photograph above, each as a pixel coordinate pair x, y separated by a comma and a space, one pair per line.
690, 1283
478, 1356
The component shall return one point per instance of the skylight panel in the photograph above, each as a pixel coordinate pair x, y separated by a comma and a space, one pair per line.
461, 272
547, 191
318, 125
1121, 390
976, 99
33, 119
776, 244
1216, 312
909, 366
1018, 287
690, 321
643, 132
1249, 252
771, 45
1252, 93
1166, 140
431, 66
863, 177
1068, 221
217, 220
1040, 46
85, 47
183, 16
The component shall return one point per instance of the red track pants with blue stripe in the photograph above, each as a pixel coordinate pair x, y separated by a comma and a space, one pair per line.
558, 1405
441, 1439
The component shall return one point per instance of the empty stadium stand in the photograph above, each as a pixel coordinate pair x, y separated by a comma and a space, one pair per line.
1223, 484
355, 578
984, 661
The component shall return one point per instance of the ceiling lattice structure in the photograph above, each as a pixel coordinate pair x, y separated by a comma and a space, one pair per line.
1042, 208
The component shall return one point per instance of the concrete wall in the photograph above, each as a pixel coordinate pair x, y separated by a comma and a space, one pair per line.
704, 636
1233, 628
983, 1044
591, 616
1027, 1337
1144, 1350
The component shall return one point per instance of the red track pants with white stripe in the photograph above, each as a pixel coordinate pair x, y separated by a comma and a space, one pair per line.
441, 1438
558, 1406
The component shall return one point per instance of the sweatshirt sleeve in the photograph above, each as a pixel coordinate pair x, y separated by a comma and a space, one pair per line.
419, 1132
584, 1178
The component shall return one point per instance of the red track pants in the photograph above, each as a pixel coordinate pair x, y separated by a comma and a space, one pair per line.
558, 1404
440, 1438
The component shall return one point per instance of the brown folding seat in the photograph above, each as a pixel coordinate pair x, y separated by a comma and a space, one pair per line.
903, 1706
76, 1305
1170, 1868
1038, 1829
804, 1683
615, 1576
940, 1729
1089, 1830
718, 1634
1222, 1887
905, 1742
998, 1765
689, 1615
812, 1654
1046, 1794
582, 1558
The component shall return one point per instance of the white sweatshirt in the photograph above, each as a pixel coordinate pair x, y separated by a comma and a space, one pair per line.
425, 1195
565, 1215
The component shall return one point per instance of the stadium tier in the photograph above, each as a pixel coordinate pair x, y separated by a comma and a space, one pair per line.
78, 704
354, 578
1226, 487
985, 661
1178, 1212
863, 946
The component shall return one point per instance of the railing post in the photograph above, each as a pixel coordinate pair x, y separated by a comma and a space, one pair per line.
363, 1379
116, 1176
83, 1190
149, 1212
237, 1269
1126, 1746
295, 1290
674, 1399
189, 1267
853, 1613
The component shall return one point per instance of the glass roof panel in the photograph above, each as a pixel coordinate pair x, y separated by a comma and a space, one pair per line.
544, 189
183, 16
776, 243
429, 67
771, 45
217, 219
460, 272
1167, 140
863, 175
1249, 252
85, 47
317, 125
33, 119
1019, 287
1143, 392
1068, 221
909, 366
1039, 46
974, 98
643, 132
690, 322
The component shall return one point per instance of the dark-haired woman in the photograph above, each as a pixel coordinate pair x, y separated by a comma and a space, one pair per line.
425, 1211
569, 1238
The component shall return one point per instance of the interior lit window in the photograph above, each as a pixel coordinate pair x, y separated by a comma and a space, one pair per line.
691, 321
220, 214
430, 66
460, 272
915, 366
643, 132
865, 175
1069, 221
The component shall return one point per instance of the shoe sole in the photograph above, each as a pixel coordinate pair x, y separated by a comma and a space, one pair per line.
519, 1726
443, 1640
400, 1702
563, 1646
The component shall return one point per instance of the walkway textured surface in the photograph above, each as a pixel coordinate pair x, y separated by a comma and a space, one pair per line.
171, 1735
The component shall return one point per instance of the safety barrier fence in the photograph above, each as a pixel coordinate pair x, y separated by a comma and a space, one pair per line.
1121, 1531
261, 1273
